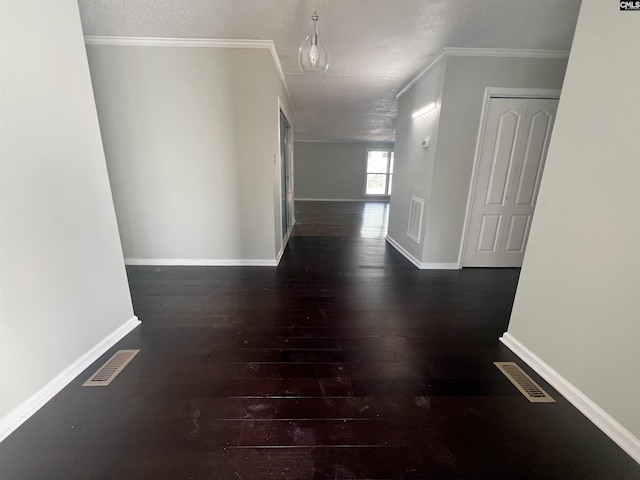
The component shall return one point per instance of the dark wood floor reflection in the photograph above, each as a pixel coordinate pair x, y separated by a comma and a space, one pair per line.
345, 362
342, 219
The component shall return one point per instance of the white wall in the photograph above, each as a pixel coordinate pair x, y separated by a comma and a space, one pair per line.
441, 174
331, 171
190, 136
577, 305
413, 163
464, 84
63, 286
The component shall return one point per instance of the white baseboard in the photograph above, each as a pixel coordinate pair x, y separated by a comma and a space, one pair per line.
605, 422
342, 199
403, 252
20, 414
440, 266
201, 262
418, 263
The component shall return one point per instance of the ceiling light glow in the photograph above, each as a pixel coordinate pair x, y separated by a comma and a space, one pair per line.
424, 110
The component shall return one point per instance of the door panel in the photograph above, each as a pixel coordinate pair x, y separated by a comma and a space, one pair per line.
534, 154
501, 143
528, 174
488, 237
514, 146
503, 154
518, 228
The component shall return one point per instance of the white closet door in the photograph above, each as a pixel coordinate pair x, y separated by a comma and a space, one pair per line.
522, 192
514, 147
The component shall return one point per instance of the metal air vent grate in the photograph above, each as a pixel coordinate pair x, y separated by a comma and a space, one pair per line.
107, 372
523, 382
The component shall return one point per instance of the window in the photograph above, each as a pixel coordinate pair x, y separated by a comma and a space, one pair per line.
379, 172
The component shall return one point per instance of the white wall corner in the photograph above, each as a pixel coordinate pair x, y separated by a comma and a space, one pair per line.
605, 422
283, 78
285, 241
24, 411
418, 263
403, 252
482, 52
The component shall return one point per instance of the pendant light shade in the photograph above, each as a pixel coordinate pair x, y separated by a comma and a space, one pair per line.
313, 57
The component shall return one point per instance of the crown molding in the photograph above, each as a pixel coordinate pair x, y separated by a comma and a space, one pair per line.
484, 52
193, 43
176, 42
506, 52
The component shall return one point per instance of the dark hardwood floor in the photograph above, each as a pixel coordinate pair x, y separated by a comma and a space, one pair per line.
345, 362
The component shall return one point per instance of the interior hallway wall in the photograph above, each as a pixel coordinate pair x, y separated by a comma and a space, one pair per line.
63, 286
191, 139
441, 174
464, 85
577, 305
414, 163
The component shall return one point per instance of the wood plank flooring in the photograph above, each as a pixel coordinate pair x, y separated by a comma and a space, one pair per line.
344, 362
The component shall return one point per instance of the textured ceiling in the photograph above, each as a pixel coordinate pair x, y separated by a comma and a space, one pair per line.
376, 46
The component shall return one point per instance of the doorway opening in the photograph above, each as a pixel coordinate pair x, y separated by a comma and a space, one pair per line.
286, 178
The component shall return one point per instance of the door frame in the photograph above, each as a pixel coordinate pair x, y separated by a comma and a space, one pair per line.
282, 111
489, 93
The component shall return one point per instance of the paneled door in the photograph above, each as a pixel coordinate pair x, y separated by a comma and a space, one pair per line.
513, 151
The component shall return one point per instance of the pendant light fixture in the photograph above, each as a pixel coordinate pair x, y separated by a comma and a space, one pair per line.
313, 57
